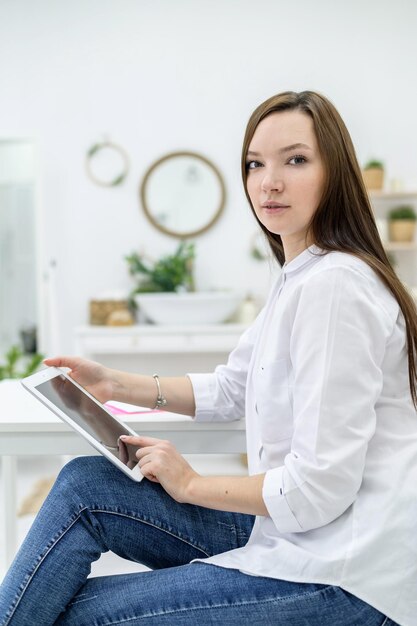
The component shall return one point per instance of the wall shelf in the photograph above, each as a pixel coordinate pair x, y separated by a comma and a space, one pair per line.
391, 195
404, 253
394, 246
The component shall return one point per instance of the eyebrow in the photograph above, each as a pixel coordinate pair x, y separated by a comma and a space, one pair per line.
293, 146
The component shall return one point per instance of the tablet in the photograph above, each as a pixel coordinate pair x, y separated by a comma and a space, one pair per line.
74, 405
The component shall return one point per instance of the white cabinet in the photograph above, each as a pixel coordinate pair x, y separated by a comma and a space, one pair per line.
404, 255
166, 350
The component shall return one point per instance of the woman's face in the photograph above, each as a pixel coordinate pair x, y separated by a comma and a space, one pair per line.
285, 176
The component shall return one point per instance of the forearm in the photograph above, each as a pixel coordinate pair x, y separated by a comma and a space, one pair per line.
241, 494
161, 462
142, 390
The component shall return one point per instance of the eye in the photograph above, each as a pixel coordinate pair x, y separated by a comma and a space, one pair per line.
298, 159
252, 165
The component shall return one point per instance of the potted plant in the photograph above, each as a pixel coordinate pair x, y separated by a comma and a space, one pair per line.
373, 175
402, 223
165, 292
15, 358
170, 273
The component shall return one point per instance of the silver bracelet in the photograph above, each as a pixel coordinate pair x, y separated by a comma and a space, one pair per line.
161, 401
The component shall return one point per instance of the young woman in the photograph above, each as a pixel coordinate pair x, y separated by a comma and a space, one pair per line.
323, 530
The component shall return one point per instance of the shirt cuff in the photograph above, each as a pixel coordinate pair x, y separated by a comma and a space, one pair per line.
273, 494
204, 386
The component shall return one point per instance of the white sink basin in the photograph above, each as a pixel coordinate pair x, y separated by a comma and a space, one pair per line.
198, 307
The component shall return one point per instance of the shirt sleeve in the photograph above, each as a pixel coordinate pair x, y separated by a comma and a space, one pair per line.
337, 347
220, 396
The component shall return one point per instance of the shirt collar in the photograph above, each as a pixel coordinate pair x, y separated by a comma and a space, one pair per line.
302, 259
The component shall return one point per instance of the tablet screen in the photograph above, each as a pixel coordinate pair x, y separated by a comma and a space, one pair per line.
90, 416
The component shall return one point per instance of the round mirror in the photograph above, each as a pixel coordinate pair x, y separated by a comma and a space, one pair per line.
183, 194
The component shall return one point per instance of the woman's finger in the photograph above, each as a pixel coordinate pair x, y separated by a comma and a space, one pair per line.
151, 477
142, 452
140, 440
62, 361
143, 459
147, 469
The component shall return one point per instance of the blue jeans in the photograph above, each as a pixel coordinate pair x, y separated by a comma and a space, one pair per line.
93, 507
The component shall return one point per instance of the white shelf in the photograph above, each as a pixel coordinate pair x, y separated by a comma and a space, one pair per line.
396, 246
375, 194
157, 339
168, 350
383, 201
161, 329
17, 182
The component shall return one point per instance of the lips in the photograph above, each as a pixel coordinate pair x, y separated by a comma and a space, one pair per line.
274, 205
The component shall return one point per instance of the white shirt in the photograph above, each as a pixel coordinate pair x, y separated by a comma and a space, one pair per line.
322, 377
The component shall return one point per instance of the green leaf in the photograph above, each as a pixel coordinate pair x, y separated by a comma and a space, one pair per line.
13, 356
95, 148
405, 212
118, 180
374, 164
168, 273
33, 365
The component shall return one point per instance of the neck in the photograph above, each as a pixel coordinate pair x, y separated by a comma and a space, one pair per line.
293, 248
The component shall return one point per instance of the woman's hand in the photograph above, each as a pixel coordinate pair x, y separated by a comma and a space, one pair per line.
161, 462
95, 378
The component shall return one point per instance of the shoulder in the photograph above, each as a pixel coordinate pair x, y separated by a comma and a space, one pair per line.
346, 263
354, 277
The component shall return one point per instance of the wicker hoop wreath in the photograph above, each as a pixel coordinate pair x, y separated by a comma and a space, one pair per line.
94, 151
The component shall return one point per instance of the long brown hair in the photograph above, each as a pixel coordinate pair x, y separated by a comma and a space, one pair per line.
344, 220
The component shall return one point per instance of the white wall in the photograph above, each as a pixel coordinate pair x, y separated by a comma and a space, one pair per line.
163, 75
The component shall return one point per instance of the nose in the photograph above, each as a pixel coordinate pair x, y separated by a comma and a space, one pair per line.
272, 181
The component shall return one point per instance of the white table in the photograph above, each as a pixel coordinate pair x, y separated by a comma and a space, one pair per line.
29, 428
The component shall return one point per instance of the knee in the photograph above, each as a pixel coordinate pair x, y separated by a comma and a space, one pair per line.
78, 480
89, 474
81, 472
78, 468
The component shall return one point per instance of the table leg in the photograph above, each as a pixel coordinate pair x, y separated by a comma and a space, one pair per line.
8, 492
